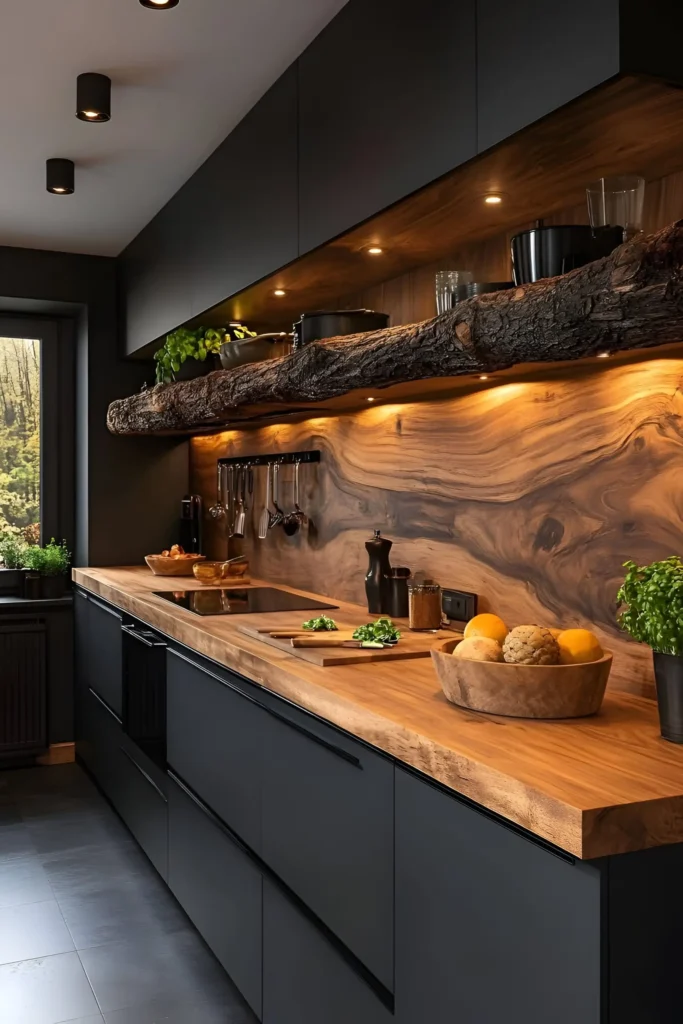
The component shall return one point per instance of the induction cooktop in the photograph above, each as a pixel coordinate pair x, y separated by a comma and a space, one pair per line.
217, 601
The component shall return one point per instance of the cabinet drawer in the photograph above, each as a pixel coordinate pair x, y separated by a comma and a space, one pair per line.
142, 805
104, 648
328, 831
219, 888
214, 744
305, 979
100, 744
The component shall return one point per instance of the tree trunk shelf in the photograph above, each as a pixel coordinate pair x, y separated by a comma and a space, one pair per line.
632, 299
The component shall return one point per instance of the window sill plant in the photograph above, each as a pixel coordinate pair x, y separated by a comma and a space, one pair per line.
653, 596
189, 353
12, 552
46, 570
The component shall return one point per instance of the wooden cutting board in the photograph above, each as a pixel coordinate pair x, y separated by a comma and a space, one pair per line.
411, 645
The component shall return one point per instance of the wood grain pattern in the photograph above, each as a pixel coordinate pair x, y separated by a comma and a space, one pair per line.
631, 299
598, 786
531, 494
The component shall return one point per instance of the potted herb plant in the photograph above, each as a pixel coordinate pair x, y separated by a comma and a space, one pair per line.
12, 552
653, 595
47, 567
190, 353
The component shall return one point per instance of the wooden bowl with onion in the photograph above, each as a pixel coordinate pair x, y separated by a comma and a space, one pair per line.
521, 691
173, 565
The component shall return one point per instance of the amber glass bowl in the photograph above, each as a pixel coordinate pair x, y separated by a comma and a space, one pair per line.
217, 573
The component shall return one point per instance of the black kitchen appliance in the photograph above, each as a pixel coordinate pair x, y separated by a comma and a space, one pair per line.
550, 251
242, 601
190, 531
144, 690
335, 323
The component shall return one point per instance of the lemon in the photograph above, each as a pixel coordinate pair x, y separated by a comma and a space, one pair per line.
491, 626
578, 646
479, 648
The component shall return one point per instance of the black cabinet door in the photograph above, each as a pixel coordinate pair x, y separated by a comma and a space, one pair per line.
214, 743
245, 200
219, 888
387, 104
328, 831
534, 56
305, 979
104, 653
489, 925
142, 804
100, 745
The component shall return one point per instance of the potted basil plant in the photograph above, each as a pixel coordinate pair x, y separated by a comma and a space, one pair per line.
12, 553
46, 570
190, 353
653, 595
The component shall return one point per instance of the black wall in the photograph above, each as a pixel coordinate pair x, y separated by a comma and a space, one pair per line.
126, 490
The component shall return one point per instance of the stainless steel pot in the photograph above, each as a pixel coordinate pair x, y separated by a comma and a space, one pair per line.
255, 350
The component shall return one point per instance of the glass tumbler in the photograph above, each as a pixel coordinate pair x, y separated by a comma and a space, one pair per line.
446, 283
617, 202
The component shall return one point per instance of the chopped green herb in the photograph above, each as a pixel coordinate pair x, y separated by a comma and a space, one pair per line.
320, 624
383, 631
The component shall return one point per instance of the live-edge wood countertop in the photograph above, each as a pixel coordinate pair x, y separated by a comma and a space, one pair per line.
594, 787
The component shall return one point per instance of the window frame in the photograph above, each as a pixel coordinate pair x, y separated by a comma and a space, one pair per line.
57, 420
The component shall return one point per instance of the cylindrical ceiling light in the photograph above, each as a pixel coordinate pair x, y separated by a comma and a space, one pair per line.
60, 176
93, 97
159, 5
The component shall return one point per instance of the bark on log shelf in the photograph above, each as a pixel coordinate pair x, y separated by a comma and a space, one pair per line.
632, 299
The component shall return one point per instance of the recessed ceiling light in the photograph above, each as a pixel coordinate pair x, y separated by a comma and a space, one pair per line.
604, 355
493, 198
159, 5
279, 292
375, 250
371, 399
483, 376
60, 176
93, 97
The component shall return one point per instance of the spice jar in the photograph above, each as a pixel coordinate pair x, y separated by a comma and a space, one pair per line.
424, 604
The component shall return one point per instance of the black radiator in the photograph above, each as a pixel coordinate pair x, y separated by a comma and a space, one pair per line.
23, 700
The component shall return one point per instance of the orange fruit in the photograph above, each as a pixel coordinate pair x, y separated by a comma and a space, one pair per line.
554, 631
578, 646
490, 626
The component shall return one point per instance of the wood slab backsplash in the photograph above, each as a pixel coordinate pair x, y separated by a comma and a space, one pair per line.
530, 493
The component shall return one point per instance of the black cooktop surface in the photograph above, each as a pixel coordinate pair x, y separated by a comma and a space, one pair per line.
216, 601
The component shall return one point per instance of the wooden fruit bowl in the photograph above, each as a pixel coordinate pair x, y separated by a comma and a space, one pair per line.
164, 565
521, 691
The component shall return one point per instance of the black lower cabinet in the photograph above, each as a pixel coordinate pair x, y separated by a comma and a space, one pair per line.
490, 926
99, 744
305, 978
328, 830
142, 803
219, 887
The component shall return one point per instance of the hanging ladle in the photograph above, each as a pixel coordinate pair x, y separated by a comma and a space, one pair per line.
219, 511
293, 520
278, 515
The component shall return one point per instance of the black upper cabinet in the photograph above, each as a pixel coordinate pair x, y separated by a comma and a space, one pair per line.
387, 103
232, 223
534, 56
245, 200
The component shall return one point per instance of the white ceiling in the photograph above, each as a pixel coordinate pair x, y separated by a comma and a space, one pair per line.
182, 79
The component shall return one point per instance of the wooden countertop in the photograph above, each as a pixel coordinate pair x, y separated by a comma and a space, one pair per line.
594, 786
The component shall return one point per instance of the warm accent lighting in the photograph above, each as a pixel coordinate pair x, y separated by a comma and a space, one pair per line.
279, 292
59, 176
93, 97
371, 399
159, 5
493, 198
375, 250
603, 355
483, 376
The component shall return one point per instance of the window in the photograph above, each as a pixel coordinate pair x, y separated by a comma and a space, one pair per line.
36, 428
20, 437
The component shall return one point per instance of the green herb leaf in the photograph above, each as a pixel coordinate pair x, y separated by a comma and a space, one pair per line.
653, 596
383, 631
320, 624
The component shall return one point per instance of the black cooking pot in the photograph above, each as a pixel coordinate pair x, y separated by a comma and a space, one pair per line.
474, 288
334, 323
549, 251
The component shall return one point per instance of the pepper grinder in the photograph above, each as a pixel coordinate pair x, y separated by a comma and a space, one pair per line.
378, 579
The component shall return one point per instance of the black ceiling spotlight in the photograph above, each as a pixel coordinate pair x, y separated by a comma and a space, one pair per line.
93, 97
159, 5
60, 176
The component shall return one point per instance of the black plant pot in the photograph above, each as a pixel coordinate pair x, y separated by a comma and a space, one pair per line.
192, 368
669, 680
52, 587
32, 585
11, 582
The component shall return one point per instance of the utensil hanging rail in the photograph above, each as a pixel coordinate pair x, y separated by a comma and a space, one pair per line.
282, 459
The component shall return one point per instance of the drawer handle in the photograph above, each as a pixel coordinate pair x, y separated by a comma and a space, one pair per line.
143, 637
104, 608
339, 751
104, 705
144, 774
214, 819
79, 593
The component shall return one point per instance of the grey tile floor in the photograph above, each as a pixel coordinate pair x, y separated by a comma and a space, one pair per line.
88, 931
